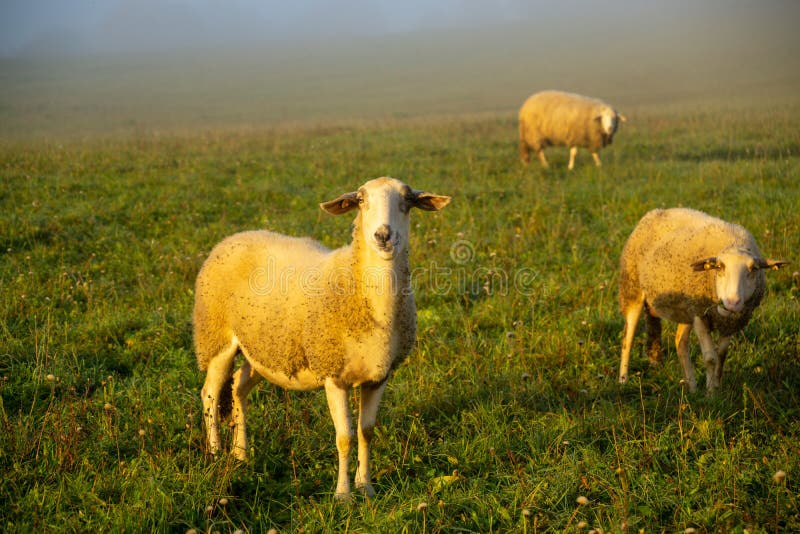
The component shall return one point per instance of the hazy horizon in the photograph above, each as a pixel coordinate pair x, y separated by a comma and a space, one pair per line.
149, 64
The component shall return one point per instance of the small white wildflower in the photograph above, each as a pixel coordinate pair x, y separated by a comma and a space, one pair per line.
223, 502
526, 513
583, 501
779, 476
50, 378
421, 507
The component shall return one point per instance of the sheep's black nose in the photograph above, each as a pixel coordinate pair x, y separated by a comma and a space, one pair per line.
383, 234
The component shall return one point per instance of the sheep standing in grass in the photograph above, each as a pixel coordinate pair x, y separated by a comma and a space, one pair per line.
696, 270
305, 317
555, 118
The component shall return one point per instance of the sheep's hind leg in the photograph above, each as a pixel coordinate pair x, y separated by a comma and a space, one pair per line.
653, 328
367, 414
244, 380
722, 352
217, 376
340, 413
682, 346
596, 158
573, 151
632, 311
542, 158
524, 152
710, 356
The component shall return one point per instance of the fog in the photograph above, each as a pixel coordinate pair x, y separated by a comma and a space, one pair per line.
153, 63
44, 27
107, 27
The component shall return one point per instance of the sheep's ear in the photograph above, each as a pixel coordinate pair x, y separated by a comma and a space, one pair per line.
429, 201
706, 264
770, 263
343, 204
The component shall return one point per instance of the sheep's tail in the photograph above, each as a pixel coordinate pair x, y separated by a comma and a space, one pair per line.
225, 403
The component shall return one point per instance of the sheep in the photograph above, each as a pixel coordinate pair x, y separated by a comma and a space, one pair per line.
305, 317
556, 118
696, 270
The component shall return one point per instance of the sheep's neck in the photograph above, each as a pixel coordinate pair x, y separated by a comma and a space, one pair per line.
385, 284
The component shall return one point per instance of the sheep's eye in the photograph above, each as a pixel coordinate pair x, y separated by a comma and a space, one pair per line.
360, 198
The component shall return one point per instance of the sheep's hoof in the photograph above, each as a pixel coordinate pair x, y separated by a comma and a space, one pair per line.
367, 490
343, 498
623, 379
655, 357
240, 455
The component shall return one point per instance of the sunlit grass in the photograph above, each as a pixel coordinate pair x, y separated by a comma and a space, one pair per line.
507, 415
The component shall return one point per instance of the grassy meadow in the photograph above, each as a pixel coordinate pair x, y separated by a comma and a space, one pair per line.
507, 417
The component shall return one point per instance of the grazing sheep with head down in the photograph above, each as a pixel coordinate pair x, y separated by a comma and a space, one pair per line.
696, 270
556, 118
305, 317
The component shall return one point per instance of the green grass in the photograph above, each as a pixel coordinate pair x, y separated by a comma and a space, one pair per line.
512, 384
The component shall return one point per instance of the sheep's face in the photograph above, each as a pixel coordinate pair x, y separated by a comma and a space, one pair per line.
384, 205
737, 277
609, 122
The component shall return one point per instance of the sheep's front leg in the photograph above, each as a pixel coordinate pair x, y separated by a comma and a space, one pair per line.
244, 380
367, 414
217, 375
340, 413
573, 151
710, 356
597, 159
682, 346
